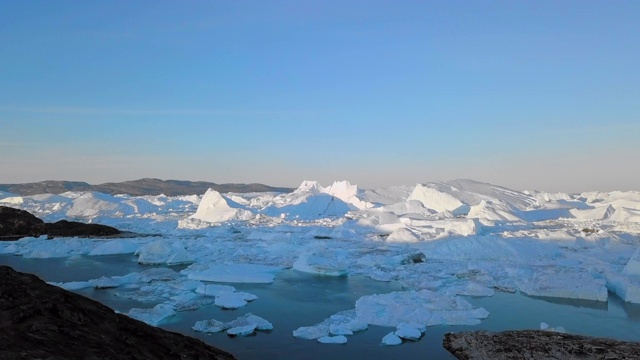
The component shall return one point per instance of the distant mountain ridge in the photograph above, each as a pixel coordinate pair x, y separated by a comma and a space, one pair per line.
146, 186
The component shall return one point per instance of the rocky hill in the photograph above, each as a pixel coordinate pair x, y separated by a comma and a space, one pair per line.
139, 187
41, 321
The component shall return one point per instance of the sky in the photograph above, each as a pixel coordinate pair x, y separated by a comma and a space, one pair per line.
540, 95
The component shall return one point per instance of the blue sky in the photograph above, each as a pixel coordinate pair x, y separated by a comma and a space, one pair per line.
528, 94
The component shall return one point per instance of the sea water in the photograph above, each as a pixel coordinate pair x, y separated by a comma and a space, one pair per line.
298, 299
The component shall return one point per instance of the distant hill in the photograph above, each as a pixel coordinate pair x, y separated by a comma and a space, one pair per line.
137, 187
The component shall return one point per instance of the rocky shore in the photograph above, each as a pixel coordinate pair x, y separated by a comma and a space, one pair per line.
536, 344
41, 321
16, 224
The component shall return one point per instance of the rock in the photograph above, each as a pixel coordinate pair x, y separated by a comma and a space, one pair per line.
64, 228
41, 321
16, 223
536, 344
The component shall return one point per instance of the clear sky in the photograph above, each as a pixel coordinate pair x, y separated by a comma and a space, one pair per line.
526, 94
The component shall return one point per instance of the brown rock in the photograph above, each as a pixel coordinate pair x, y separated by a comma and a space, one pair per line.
41, 321
536, 344
16, 223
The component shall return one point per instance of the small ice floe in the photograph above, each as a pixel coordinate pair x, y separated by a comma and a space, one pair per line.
152, 316
226, 296
391, 339
73, 285
164, 252
561, 282
237, 273
424, 307
242, 326
340, 324
323, 261
559, 329
115, 247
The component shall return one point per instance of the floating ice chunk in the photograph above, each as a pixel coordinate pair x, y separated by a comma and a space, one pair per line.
340, 339
312, 332
470, 289
163, 252
215, 289
633, 266
564, 283
153, 316
391, 339
627, 288
113, 247
181, 257
423, 307
250, 319
325, 261
73, 285
559, 329
210, 326
242, 330
335, 329
239, 326
230, 301
114, 281
237, 273
408, 332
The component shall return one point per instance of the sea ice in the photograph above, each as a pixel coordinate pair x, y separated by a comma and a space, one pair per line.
153, 316
391, 339
241, 330
230, 301
408, 332
113, 247
211, 326
563, 282
633, 266
423, 307
237, 273
323, 261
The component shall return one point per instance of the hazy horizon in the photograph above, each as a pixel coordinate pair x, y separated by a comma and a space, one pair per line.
534, 95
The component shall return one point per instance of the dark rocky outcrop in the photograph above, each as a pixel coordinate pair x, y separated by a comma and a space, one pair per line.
41, 321
16, 223
137, 187
74, 228
536, 344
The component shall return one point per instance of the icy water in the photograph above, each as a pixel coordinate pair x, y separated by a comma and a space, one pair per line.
297, 299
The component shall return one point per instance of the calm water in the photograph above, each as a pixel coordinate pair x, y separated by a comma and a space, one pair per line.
297, 299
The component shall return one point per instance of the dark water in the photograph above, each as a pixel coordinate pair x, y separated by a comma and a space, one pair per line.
296, 299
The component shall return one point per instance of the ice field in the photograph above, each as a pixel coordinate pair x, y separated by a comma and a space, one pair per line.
439, 252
